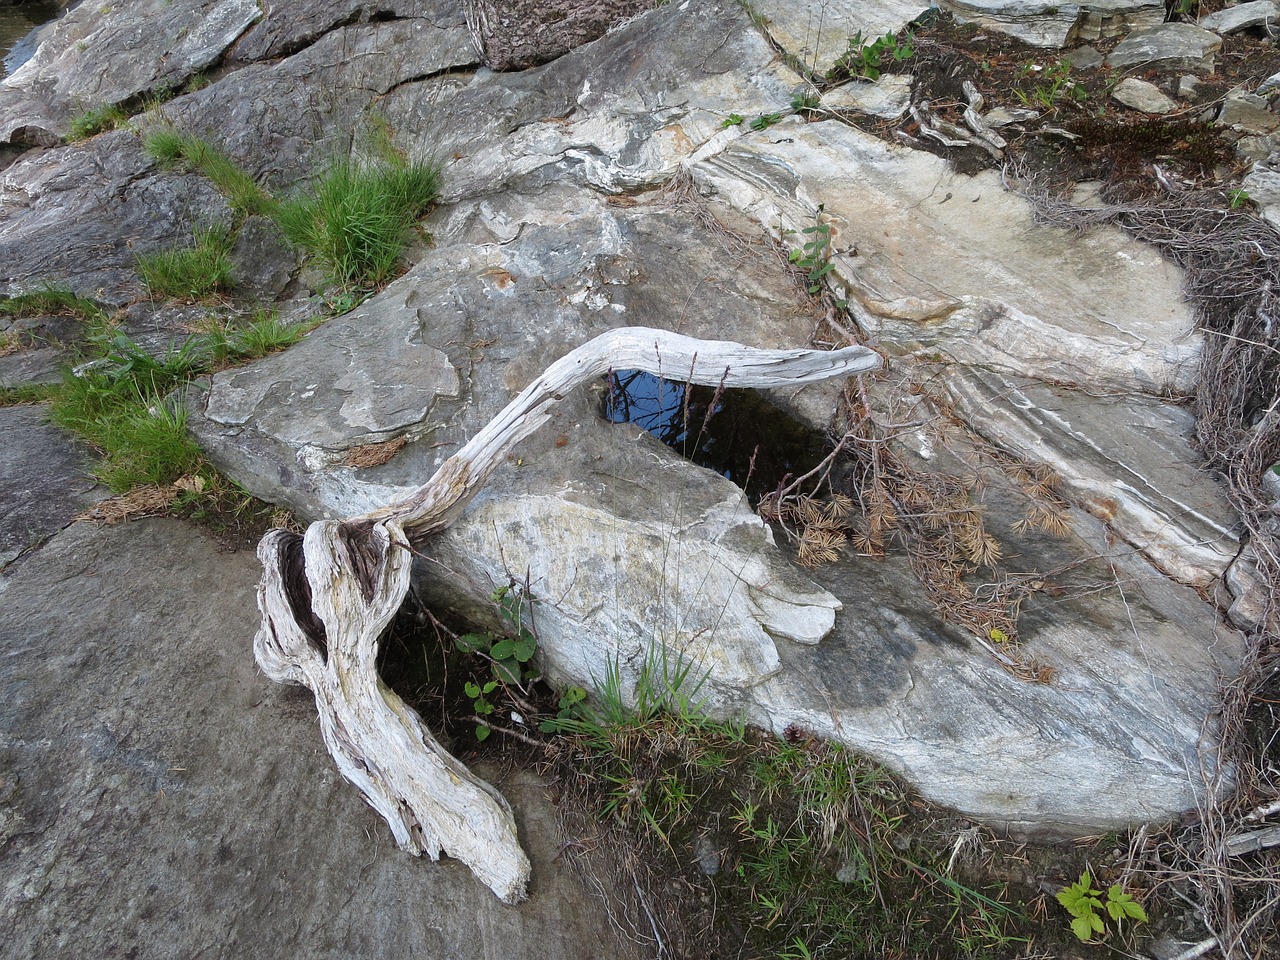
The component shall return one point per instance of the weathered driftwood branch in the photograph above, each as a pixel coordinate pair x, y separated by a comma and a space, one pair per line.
327, 598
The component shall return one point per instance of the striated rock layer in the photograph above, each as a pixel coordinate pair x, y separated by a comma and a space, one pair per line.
1009, 342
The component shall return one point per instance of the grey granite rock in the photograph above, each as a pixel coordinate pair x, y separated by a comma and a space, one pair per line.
1046, 23
159, 798
633, 542
305, 108
103, 55
1242, 16
817, 35
79, 217
886, 98
1143, 96
1168, 46
1248, 113
44, 480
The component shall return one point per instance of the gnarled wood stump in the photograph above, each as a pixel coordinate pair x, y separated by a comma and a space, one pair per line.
327, 597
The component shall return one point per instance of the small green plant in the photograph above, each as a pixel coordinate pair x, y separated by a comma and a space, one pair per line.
1084, 902
569, 708
481, 705
357, 218
1046, 88
732, 120
806, 101
765, 121
94, 121
867, 59
190, 273
509, 657
814, 258
1238, 198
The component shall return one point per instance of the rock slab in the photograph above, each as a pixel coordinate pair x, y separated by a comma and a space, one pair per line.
44, 480
142, 816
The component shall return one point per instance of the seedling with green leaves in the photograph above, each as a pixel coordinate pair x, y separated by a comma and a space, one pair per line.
867, 59
1046, 88
765, 121
510, 659
570, 708
1084, 903
814, 257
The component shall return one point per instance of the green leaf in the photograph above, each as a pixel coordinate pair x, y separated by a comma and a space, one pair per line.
482, 732
1083, 927
508, 671
503, 649
511, 604
524, 649
1080, 899
572, 697
1122, 906
472, 690
491, 686
473, 642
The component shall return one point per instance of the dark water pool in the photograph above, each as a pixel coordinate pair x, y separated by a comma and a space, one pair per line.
738, 434
17, 21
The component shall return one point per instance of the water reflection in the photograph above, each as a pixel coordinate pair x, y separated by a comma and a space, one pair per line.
736, 433
17, 26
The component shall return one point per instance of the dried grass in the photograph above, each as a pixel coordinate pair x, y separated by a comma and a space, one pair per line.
147, 501
374, 454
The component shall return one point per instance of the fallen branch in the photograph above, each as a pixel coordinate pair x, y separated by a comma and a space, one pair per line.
327, 598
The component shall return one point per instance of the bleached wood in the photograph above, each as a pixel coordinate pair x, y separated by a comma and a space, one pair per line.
327, 597
441, 500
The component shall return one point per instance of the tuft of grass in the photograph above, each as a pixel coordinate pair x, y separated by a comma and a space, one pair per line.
172, 147
190, 273
26, 393
119, 400
116, 403
165, 144
787, 847
52, 301
265, 333
94, 121
356, 219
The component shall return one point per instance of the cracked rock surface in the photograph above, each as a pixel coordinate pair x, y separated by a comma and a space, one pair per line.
612, 187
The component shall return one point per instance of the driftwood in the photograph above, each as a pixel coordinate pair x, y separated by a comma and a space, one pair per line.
327, 597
